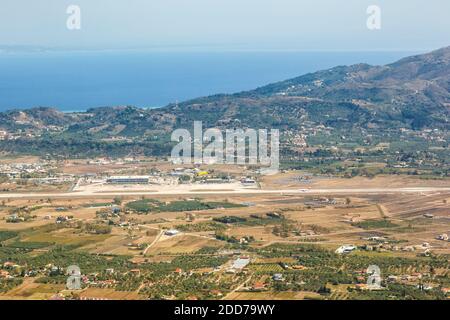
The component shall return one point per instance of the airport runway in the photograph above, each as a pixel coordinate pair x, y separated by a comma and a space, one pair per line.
90, 194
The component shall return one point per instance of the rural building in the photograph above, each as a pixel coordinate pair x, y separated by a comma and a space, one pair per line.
171, 233
240, 263
443, 237
277, 277
248, 182
345, 249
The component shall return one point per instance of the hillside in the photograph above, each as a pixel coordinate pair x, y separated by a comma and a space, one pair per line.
413, 93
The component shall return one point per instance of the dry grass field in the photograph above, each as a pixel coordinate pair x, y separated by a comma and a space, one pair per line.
274, 296
107, 294
181, 244
29, 290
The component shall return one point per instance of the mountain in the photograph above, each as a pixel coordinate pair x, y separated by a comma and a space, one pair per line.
413, 93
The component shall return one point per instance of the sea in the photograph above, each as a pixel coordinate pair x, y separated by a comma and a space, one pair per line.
79, 80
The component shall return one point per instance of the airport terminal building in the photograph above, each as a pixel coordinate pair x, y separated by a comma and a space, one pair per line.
128, 180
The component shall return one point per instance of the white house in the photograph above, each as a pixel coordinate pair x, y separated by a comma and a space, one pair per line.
347, 248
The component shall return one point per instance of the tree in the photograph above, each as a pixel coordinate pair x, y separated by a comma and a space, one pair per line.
118, 201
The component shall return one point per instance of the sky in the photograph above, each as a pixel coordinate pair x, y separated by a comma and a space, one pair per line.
313, 25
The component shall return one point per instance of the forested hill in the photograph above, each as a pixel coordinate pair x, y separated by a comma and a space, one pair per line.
413, 93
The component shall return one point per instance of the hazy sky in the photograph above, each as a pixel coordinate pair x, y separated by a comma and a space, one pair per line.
228, 24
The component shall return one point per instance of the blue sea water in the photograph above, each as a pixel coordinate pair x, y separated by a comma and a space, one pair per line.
75, 81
